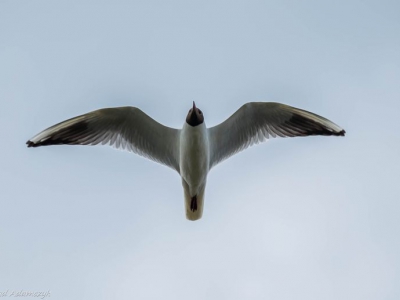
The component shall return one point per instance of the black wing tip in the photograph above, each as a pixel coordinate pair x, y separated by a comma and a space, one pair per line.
48, 142
31, 144
342, 133
330, 133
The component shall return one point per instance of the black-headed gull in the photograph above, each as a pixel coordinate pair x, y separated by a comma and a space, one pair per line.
193, 150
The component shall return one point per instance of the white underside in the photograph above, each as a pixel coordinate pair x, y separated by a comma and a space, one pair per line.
194, 158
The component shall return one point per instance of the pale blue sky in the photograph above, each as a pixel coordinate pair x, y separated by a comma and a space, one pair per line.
305, 218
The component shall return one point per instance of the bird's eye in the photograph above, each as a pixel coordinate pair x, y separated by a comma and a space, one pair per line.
200, 111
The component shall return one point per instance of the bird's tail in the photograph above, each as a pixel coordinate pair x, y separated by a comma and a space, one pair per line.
193, 205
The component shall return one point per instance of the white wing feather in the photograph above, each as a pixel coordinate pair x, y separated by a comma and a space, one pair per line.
121, 127
255, 122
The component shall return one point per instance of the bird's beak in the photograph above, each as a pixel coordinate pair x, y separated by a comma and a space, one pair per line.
194, 106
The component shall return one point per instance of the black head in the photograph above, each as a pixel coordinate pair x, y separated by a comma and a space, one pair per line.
195, 116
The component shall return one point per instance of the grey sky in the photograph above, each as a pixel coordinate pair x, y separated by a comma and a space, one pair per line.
303, 218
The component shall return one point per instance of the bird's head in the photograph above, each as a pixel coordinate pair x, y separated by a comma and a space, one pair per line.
195, 116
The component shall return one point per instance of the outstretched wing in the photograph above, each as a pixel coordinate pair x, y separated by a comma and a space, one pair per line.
122, 127
255, 122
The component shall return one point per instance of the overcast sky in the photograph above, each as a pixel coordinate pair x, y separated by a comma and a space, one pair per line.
303, 218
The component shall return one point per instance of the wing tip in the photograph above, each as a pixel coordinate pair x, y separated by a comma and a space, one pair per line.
342, 133
29, 144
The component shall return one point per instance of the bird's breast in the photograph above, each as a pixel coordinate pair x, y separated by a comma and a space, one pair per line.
194, 155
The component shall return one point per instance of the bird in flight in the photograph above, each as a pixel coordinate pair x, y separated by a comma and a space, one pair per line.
193, 150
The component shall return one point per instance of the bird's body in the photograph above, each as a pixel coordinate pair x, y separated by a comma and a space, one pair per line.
194, 160
193, 150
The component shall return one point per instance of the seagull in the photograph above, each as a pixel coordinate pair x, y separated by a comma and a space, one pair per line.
193, 150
